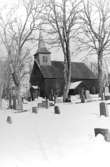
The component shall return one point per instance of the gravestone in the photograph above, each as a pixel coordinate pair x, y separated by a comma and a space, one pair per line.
19, 105
14, 100
9, 119
104, 132
34, 109
82, 99
56, 110
103, 109
82, 95
45, 104
87, 94
34, 106
107, 93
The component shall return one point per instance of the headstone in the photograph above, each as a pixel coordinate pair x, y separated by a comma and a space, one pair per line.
34, 106
19, 104
87, 94
56, 110
68, 99
34, 109
82, 96
107, 135
104, 132
107, 94
14, 102
82, 99
106, 90
46, 103
103, 109
59, 100
9, 120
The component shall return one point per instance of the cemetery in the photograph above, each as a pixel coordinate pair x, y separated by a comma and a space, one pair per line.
48, 130
53, 135
54, 83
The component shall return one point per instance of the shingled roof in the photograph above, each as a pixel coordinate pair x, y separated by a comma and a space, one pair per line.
56, 70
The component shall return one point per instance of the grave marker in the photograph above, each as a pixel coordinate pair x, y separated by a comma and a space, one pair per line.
103, 109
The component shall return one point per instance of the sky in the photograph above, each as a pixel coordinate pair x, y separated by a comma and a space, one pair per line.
7, 4
4, 6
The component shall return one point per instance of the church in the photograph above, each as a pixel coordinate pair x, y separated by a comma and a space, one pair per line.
48, 75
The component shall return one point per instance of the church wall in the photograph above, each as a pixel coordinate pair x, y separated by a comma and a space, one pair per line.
55, 85
36, 76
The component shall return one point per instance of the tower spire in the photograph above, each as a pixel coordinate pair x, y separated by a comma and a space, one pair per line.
41, 43
42, 55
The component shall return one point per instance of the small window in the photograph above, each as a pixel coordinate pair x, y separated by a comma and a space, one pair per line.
45, 59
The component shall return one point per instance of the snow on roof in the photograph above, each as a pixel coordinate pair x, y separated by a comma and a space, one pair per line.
75, 84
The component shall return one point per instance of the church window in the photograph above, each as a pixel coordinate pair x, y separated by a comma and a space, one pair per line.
45, 59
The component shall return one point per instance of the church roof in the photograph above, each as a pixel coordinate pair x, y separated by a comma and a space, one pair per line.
43, 50
78, 71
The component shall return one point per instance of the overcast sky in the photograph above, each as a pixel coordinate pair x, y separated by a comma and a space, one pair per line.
8, 3
5, 5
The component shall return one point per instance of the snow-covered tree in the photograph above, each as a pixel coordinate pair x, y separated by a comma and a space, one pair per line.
17, 30
62, 16
94, 33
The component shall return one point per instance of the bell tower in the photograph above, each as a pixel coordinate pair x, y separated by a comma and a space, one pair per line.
42, 55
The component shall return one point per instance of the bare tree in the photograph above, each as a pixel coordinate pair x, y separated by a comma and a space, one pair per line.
16, 33
94, 34
2, 80
62, 19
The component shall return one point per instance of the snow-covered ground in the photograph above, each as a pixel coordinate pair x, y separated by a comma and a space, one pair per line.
47, 139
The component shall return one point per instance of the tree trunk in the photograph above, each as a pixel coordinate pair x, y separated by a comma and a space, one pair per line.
18, 100
19, 105
1, 93
67, 75
100, 75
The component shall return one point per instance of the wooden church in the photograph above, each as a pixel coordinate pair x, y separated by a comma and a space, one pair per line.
48, 75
